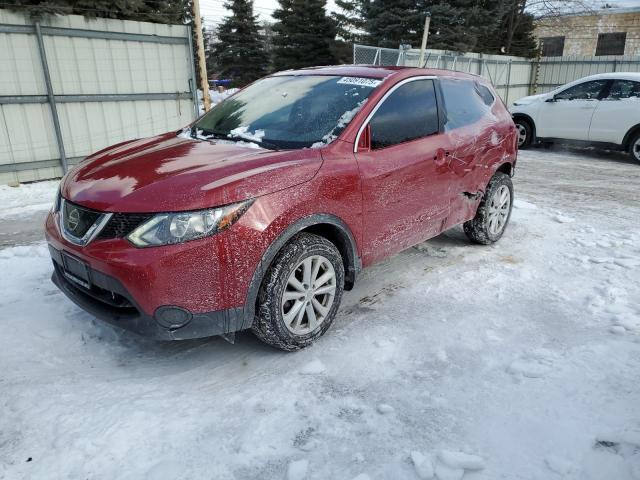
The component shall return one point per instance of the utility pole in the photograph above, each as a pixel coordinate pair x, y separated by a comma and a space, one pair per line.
425, 35
204, 81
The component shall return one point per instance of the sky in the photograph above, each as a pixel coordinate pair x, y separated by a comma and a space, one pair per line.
214, 11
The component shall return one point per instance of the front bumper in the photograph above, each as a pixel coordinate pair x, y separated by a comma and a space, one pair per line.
108, 300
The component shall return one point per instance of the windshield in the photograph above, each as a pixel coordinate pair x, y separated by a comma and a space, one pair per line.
288, 111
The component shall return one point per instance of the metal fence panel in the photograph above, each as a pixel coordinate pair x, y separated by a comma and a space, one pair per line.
556, 71
111, 81
512, 77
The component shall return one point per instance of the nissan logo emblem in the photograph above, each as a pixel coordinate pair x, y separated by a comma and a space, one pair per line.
73, 220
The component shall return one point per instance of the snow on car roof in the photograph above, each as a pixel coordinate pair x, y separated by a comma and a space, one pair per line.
614, 75
373, 71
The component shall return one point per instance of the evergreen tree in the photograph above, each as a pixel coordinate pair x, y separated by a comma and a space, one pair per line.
350, 19
458, 25
390, 23
523, 43
514, 35
350, 23
239, 52
304, 35
159, 11
462, 25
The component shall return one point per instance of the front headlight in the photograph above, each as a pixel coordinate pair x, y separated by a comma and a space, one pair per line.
170, 228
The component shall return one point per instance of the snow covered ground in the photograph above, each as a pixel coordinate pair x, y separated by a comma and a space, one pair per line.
449, 361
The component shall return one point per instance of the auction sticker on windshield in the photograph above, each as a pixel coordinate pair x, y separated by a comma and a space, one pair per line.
363, 82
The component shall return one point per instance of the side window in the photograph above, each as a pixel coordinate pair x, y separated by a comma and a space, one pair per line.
485, 94
582, 91
410, 112
622, 89
464, 101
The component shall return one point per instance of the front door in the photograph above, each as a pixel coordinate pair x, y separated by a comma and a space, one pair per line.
569, 115
405, 177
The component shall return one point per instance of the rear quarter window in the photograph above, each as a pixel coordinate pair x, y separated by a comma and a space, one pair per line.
466, 101
485, 94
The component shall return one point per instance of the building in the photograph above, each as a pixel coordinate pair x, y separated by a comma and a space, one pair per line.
608, 31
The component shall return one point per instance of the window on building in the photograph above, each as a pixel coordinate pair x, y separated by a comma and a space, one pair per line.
611, 43
552, 46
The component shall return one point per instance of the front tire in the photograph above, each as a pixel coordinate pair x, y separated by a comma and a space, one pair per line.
493, 213
634, 147
525, 133
300, 293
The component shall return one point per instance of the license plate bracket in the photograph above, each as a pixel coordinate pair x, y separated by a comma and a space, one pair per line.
76, 270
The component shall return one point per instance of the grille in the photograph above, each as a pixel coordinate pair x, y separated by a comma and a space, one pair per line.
122, 224
78, 220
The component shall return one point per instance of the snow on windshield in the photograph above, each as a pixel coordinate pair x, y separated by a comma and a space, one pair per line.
243, 132
289, 111
343, 121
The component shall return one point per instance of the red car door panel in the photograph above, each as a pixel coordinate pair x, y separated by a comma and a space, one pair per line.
405, 195
405, 175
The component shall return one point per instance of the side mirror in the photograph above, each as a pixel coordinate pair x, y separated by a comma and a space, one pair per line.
551, 100
364, 142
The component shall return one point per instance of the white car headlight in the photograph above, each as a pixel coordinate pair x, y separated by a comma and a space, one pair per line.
170, 228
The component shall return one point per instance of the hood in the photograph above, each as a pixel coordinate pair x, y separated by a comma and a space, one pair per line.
172, 173
531, 99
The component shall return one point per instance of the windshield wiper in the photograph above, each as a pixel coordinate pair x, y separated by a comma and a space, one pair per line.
260, 143
208, 135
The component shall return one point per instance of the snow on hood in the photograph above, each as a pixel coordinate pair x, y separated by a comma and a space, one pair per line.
531, 99
173, 173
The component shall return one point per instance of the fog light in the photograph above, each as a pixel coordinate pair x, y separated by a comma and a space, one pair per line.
172, 317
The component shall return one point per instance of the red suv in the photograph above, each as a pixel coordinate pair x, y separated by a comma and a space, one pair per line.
263, 211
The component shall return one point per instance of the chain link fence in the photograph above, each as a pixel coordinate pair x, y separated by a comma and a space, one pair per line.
512, 77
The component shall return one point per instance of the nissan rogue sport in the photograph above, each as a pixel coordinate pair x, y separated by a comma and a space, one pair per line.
264, 210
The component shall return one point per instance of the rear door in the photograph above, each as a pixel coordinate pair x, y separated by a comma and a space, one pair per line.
569, 116
616, 113
480, 133
404, 174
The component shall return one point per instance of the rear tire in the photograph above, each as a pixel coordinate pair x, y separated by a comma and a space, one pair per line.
634, 147
525, 133
493, 213
300, 293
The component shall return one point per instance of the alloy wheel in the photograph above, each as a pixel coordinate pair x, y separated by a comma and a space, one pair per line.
308, 295
522, 134
635, 150
498, 210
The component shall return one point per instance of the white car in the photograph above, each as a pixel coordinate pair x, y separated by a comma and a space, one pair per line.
601, 110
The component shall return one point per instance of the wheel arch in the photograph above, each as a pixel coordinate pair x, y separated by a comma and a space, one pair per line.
506, 167
631, 133
325, 225
524, 116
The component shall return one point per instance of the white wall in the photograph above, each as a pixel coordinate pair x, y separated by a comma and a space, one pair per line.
88, 66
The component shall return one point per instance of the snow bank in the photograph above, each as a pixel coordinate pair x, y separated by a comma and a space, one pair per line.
27, 198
